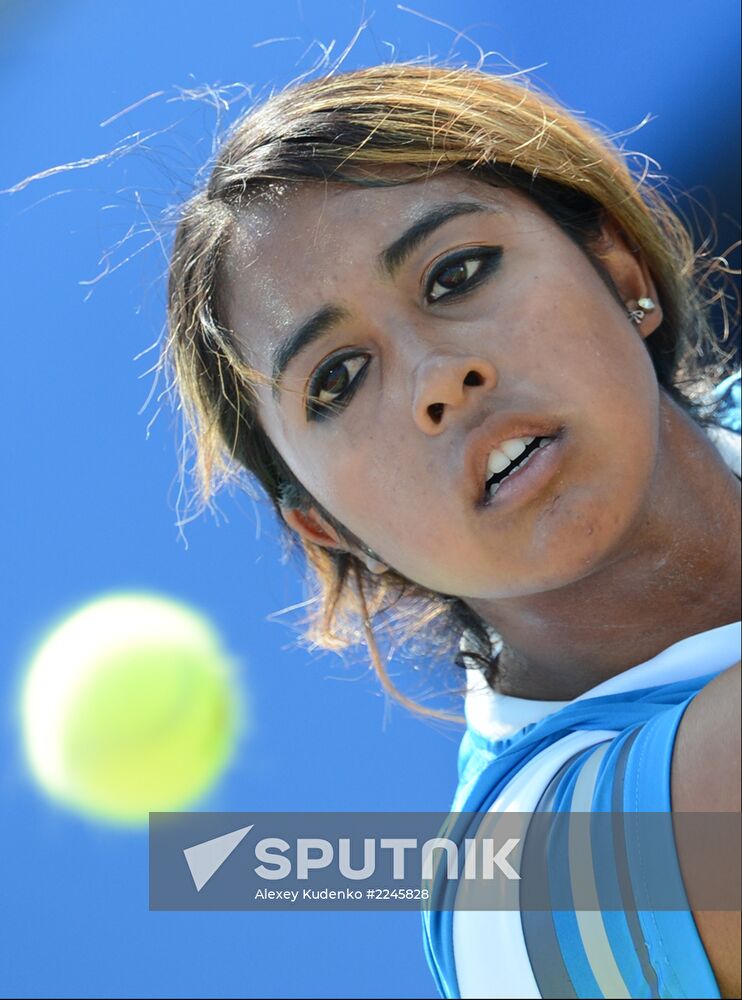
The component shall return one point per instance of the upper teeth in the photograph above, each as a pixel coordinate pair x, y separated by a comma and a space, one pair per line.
501, 457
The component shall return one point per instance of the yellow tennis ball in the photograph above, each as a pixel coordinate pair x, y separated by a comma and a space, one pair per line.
128, 706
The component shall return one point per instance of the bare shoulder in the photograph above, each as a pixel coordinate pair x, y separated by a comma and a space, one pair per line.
705, 777
706, 759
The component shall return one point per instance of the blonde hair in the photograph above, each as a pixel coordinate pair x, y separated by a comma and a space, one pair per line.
350, 128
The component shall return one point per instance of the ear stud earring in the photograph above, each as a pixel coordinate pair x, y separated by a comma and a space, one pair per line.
373, 565
643, 306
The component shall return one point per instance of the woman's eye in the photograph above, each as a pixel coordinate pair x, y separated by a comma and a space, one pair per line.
331, 383
459, 275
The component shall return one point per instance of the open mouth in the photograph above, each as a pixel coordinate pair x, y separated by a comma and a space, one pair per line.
493, 483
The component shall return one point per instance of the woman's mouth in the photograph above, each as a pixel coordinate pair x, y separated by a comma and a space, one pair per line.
519, 467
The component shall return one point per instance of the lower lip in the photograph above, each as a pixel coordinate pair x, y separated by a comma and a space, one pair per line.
522, 484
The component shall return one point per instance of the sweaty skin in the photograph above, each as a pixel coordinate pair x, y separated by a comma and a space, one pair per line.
631, 546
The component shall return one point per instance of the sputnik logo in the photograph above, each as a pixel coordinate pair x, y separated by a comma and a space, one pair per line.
206, 858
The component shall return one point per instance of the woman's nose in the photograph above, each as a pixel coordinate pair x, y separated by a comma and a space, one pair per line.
444, 383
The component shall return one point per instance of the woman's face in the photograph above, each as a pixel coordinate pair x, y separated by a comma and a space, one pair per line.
446, 319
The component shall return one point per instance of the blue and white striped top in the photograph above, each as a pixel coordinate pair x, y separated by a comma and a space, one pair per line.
609, 750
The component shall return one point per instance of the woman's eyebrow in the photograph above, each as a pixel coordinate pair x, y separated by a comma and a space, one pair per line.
392, 258
309, 331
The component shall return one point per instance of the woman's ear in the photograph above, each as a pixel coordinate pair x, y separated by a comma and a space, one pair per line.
629, 273
312, 527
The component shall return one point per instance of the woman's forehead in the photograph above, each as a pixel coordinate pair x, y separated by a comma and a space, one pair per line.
284, 212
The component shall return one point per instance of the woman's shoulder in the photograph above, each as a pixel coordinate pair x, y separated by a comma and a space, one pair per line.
609, 751
705, 778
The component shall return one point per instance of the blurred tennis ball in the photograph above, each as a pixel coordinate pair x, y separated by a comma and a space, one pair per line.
129, 705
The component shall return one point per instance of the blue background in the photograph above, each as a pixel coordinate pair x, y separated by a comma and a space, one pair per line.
88, 497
